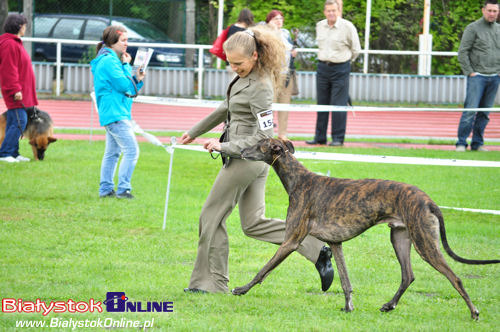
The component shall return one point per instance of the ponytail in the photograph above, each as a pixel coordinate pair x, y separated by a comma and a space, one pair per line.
269, 47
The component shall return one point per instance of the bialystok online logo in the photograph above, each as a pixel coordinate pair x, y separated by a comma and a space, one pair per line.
118, 302
115, 302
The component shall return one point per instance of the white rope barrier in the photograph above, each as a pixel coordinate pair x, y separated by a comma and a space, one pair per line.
186, 102
361, 158
496, 212
374, 158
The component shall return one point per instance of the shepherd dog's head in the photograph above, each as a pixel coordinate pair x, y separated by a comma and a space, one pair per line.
40, 143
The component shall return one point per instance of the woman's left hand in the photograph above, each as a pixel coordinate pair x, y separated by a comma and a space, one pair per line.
212, 144
294, 53
140, 74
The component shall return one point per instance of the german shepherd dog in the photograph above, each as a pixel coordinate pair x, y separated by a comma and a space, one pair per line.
39, 130
336, 210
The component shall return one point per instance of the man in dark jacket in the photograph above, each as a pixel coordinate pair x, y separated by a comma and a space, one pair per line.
479, 56
17, 81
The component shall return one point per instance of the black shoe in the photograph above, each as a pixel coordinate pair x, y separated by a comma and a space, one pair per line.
195, 290
125, 194
110, 194
336, 143
314, 142
325, 268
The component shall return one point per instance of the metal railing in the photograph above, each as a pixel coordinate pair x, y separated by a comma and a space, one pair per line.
59, 62
213, 83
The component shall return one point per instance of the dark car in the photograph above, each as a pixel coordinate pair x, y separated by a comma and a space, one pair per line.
89, 27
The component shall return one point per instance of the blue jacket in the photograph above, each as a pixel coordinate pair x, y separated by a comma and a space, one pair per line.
110, 85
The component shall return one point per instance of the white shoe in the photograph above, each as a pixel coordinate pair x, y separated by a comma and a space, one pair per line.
460, 148
21, 158
9, 159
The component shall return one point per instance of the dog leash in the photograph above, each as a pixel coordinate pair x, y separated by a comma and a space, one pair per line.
19, 120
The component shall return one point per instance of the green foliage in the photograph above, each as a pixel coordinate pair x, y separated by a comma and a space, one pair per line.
89, 55
395, 24
60, 242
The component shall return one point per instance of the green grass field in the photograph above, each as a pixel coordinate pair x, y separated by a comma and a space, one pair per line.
59, 241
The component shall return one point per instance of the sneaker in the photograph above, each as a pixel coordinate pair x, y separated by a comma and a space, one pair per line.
9, 159
460, 148
125, 194
195, 290
480, 149
21, 158
109, 194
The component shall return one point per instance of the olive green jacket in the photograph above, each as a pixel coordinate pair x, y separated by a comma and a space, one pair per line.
246, 98
479, 50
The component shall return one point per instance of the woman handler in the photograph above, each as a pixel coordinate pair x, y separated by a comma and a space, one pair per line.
256, 55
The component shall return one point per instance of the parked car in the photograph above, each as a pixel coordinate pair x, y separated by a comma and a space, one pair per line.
90, 27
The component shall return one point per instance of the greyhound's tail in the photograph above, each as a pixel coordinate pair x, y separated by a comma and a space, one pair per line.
437, 212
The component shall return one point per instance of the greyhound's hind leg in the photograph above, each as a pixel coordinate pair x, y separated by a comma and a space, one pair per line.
402, 246
344, 277
430, 252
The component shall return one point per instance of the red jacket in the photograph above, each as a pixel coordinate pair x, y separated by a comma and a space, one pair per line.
16, 72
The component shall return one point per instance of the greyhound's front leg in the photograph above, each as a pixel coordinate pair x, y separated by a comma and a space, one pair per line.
344, 278
285, 249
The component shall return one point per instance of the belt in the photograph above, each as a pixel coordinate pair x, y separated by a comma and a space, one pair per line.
331, 64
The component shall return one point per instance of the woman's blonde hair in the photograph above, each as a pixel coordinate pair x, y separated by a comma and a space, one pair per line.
269, 47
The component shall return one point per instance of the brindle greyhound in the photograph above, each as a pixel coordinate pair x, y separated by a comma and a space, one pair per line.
337, 210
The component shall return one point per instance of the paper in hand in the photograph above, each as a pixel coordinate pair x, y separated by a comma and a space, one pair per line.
142, 57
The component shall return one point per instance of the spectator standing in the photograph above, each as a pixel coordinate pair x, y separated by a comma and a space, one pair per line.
245, 20
114, 89
479, 57
256, 57
338, 45
283, 92
17, 81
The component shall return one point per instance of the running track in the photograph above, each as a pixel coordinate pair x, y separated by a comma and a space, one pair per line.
77, 114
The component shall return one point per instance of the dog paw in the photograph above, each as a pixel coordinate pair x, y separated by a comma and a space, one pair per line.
239, 291
387, 307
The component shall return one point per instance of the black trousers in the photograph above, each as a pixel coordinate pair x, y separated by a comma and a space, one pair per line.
332, 87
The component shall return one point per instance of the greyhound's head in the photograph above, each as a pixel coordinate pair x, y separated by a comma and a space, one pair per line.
268, 150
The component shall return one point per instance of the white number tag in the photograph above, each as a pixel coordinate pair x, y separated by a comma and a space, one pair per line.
265, 119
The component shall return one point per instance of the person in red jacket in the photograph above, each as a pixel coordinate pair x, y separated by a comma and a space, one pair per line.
17, 81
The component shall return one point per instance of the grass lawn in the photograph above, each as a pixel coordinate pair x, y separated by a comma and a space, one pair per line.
59, 241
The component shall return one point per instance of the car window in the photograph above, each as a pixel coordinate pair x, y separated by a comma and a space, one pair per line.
94, 29
43, 25
140, 30
68, 28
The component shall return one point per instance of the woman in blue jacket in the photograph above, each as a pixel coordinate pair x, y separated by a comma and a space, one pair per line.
114, 89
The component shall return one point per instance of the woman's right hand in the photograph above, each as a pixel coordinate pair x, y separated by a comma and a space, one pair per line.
126, 58
186, 139
18, 96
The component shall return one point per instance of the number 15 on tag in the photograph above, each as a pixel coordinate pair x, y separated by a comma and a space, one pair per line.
265, 119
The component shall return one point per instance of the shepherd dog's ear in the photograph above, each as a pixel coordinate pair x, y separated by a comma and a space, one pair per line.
289, 146
52, 139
